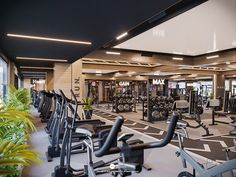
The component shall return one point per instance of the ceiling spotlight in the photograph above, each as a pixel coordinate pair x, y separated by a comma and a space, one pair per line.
112, 53
41, 59
213, 56
48, 39
177, 58
122, 35
227, 62
215, 63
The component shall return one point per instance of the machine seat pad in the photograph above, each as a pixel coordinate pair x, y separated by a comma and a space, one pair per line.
233, 118
180, 123
86, 129
232, 132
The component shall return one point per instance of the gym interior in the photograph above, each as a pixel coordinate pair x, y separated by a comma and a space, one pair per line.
118, 88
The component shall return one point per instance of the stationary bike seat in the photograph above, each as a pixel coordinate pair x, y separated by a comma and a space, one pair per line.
86, 129
233, 118
232, 132
180, 123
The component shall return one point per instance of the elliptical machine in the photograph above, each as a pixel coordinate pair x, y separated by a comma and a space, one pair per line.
130, 154
199, 169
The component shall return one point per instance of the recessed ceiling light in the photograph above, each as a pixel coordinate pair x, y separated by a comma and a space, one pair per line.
48, 39
215, 63
213, 56
98, 72
203, 78
227, 62
178, 53
41, 59
177, 58
122, 35
32, 67
112, 53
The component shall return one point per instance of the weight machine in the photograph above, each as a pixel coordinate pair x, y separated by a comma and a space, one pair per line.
194, 111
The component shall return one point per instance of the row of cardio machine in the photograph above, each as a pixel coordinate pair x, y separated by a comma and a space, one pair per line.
69, 134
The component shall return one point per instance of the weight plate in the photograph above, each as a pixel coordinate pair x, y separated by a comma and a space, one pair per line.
126, 107
120, 107
129, 100
200, 110
120, 100
156, 114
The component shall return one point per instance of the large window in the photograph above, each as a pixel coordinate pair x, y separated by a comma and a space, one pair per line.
233, 87
3, 77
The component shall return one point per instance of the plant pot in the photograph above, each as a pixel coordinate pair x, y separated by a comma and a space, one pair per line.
88, 113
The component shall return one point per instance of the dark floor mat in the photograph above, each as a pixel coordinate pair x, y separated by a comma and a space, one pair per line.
210, 148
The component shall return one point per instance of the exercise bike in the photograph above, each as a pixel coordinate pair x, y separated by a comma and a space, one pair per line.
198, 169
131, 154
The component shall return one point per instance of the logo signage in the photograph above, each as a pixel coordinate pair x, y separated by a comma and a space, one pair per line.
158, 81
124, 83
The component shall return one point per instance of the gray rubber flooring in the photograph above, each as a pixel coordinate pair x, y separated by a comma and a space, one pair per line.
163, 161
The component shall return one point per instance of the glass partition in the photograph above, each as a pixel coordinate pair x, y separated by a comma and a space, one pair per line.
3, 77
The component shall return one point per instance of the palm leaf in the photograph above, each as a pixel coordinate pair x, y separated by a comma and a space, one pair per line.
8, 172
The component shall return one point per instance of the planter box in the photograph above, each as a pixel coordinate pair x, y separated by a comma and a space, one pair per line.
88, 114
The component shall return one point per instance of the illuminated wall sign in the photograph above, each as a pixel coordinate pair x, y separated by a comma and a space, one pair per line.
34, 81
158, 81
124, 83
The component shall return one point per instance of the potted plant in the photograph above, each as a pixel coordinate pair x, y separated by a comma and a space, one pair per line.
88, 110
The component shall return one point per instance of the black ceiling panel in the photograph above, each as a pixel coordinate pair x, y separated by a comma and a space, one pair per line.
98, 21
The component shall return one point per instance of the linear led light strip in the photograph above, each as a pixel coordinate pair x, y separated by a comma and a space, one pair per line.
31, 67
213, 56
122, 35
41, 59
48, 39
177, 58
112, 53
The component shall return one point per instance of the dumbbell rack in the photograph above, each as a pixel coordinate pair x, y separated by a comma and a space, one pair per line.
123, 103
159, 108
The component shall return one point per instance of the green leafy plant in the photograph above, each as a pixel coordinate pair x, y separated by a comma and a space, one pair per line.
15, 128
18, 98
88, 102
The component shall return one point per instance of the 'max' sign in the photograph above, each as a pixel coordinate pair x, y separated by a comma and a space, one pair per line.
158, 81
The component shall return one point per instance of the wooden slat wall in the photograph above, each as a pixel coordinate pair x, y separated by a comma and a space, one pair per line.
49, 80
62, 78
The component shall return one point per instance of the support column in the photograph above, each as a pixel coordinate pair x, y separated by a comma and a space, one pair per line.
11, 70
218, 85
62, 78
49, 80
230, 85
165, 88
78, 82
100, 91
